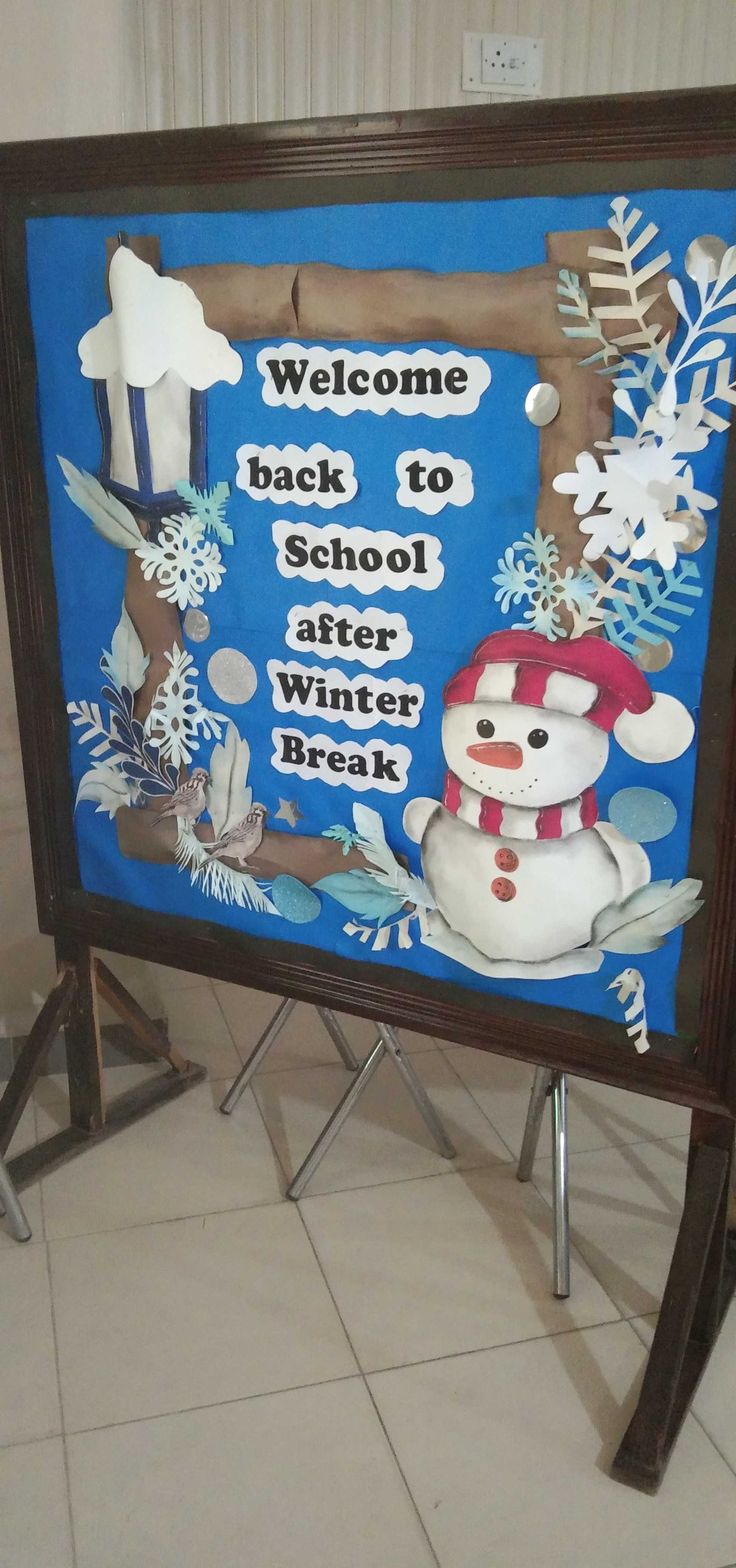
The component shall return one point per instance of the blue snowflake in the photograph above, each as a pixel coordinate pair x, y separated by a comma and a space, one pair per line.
528, 574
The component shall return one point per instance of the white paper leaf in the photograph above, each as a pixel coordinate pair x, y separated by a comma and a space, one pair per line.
712, 350
108, 515
723, 324
229, 797
126, 663
641, 922
107, 786
675, 291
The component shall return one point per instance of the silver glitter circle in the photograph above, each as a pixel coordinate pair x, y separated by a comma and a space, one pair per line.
653, 656
542, 403
197, 625
708, 249
232, 676
697, 533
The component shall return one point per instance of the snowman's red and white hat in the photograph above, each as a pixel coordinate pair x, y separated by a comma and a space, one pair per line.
586, 677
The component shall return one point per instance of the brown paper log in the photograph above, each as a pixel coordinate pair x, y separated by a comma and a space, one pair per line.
299, 855
515, 310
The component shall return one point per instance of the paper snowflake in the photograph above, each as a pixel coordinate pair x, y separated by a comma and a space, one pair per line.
639, 501
528, 573
177, 718
185, 563
644, 483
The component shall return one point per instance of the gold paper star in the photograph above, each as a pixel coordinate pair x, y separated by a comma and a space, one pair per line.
288, 812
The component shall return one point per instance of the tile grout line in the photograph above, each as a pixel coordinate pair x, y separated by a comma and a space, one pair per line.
190, 1410
513, 1157
62, 1415
368, 1386
699, 1422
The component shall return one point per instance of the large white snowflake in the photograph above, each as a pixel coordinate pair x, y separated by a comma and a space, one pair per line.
185, 563
528, 574
177, 717
643, 482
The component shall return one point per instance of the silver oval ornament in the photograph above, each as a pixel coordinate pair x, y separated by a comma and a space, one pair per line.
197, 625
697, 533
705, 253
542, 403
232, 676
653, 656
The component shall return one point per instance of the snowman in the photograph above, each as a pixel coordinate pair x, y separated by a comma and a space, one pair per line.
514, 855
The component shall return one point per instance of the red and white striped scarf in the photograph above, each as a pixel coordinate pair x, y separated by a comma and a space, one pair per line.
504, 821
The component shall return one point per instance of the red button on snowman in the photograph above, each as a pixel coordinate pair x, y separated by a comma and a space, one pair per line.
514, 855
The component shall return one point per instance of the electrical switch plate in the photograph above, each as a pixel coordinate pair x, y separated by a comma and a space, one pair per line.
502, 63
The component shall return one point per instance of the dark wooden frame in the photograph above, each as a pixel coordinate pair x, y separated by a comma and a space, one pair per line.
639, 141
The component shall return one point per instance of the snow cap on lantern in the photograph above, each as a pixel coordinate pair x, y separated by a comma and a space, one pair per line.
152, 359
586, 677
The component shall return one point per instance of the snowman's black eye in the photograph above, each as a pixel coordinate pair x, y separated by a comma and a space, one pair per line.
537, 739
485, 728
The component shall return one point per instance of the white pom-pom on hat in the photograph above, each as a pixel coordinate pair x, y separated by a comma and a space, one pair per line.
659, 735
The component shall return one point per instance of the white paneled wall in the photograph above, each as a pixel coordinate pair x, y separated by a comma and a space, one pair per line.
75, 66
203, 62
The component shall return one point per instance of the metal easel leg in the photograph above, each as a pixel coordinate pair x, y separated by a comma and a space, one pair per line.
553, 1084
416, 1088
339, 1038
10, 1206
261, 1050
387, 1044
339, 1116
561, 1243
540, 1089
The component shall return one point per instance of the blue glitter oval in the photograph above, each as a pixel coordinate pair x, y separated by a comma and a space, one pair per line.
294, 900
643, 815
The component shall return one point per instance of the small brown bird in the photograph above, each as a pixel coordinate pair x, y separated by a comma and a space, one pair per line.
242, 840
189, 800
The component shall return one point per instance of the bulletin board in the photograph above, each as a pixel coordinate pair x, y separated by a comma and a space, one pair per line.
368, 538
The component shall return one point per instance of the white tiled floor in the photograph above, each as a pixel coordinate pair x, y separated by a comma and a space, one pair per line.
194, 1371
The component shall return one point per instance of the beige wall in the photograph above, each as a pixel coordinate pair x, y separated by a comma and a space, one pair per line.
72, 66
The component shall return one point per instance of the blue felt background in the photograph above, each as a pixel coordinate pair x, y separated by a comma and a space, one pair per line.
66, 270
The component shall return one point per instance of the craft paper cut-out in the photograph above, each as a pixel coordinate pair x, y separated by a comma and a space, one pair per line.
369, 636
232, 675
288, 812
185, 563
420, 383
360, 558
514, 855
629, 986
430, 481
315, 477
156, 326
644, 815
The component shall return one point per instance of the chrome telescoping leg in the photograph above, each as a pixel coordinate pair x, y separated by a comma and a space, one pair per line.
339, 1116
339, 1038
561, 1244
416, 1088
540, 1089
268, 1038
387, 1044
10, 1205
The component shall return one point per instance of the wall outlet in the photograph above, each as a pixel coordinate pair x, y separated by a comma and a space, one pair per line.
502, 63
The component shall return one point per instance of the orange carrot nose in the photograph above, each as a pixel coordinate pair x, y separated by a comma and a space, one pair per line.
497, 753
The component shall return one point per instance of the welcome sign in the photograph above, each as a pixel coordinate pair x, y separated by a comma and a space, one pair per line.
396, 650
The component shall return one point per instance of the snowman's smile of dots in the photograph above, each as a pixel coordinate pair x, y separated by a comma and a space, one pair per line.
524, 755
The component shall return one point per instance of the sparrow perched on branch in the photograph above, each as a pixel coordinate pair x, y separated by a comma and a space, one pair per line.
189, 800
242, 840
